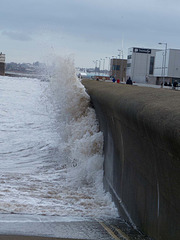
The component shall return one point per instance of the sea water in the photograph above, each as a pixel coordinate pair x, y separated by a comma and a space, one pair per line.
51, 157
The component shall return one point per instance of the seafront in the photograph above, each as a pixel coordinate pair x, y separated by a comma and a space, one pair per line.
38, 227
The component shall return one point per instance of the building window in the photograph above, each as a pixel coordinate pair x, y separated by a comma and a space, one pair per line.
151, 66
129, 56
128, 65
116, 67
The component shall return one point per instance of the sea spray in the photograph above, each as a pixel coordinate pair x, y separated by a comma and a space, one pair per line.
51, 147
82, 140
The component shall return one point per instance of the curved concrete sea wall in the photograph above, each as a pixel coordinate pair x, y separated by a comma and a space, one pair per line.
141, 128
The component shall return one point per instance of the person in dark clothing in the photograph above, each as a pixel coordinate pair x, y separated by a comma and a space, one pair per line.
129, 81
114, 80
170, 85
175, 84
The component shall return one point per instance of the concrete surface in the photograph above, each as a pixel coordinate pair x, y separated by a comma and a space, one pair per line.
52, 227
12, 237
29, 227
141, 129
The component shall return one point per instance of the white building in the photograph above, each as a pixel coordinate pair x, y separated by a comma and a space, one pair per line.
140, 65
168, 68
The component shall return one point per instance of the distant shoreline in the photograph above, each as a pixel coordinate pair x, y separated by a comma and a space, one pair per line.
19, 74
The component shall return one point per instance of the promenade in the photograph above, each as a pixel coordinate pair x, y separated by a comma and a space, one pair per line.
36, 227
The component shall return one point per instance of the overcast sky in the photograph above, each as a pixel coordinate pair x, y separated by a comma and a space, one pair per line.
33, 30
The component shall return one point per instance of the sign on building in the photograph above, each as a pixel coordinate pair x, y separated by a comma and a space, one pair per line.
142, 50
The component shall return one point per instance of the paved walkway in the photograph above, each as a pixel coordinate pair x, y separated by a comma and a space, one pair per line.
28, 227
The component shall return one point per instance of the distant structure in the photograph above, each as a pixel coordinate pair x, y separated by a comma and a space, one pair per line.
146, 65
140, 65
2, 64
118, 69
171, 71
82, 75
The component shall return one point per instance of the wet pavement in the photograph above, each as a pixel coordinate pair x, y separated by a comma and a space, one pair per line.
22, 227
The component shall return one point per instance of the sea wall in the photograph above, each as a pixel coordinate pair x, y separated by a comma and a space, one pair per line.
141, 128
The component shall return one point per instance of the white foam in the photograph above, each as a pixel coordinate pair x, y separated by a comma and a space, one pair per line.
63, 173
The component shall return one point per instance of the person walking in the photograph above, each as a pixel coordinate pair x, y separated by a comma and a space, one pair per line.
129, 81
175, 84
114, 80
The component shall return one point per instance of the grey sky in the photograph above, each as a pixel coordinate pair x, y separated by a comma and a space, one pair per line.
32, 30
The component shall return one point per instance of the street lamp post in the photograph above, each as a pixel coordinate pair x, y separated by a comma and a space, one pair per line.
96, 66
120, 52
106, 67
121, 64
99, 67
103, 64
109, 67
115, 65
165, 52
